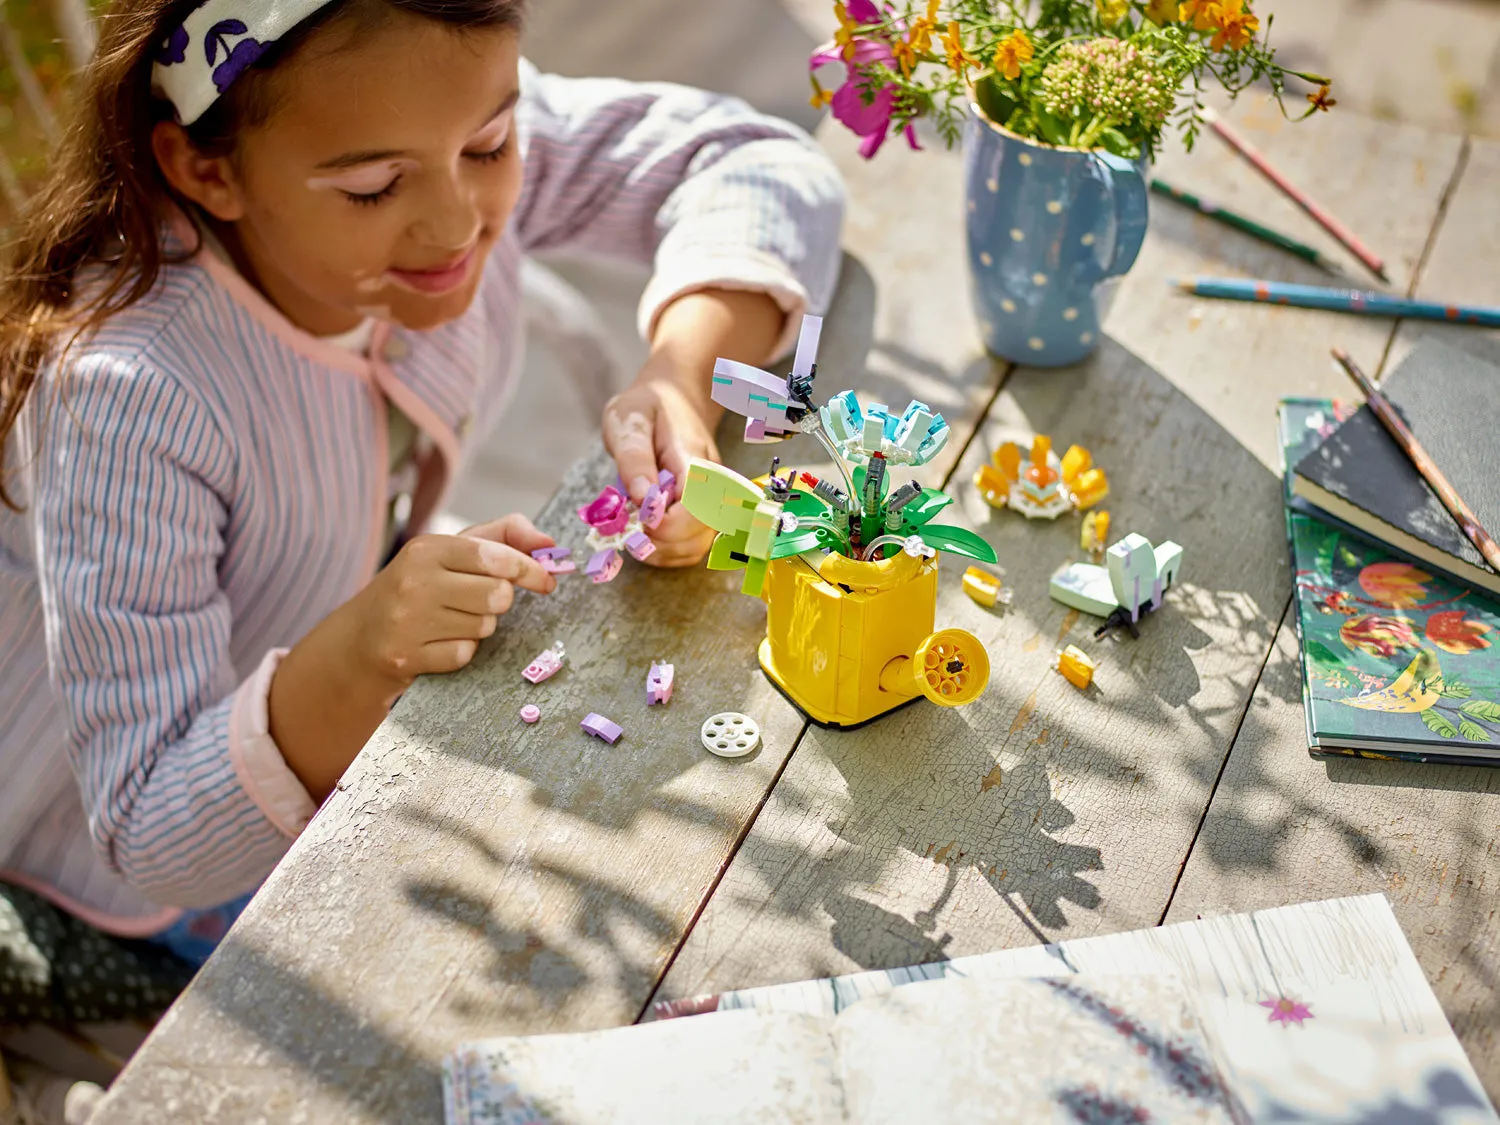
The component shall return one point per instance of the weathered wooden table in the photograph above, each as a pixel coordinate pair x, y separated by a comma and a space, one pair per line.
476, 876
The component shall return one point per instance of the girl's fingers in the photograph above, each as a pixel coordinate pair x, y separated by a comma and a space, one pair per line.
444, 656
515, 530
629, 435
465, 555
451, 625
473, 593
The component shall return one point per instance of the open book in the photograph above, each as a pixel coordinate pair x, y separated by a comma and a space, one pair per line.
1310, 1013
1097, 1049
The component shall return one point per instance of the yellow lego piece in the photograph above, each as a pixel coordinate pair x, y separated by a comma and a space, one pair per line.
992, 485
1095, 535
982, 586
1090, 488
1007, 458
1075, 667
1076, 460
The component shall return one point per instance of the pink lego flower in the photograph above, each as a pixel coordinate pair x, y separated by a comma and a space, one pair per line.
1286, 1011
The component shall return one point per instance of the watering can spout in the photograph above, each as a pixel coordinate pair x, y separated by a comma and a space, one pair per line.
950, 668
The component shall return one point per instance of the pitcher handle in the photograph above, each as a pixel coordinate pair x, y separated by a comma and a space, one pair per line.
1127, 191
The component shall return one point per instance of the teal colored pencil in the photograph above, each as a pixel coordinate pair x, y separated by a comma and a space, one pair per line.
1364, 302
1239, 222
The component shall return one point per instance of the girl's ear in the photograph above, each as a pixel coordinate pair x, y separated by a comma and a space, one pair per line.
209, 181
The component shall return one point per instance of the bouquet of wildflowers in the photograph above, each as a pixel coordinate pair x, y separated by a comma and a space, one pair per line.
1091, 74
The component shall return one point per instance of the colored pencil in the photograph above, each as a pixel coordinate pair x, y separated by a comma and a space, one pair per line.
1320, 214
1409, 444
1362, 301
1240, 223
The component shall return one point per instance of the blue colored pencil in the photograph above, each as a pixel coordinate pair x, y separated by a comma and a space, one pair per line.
1366, 302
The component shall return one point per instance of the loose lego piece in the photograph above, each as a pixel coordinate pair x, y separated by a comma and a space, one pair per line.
1007, 459
530, 713
1076, 460
659, 683
640, 546
603, 565
982, 586
555, 560
730, 734
1075, 666
1132, 582
1090, 488
601, 728
1038, 484
1095, 534
547, 664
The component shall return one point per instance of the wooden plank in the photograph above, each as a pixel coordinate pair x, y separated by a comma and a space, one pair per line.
1284, 828
1236, 360
1039, 813
479, 877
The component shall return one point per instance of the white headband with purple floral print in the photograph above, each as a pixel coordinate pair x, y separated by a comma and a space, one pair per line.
215, 44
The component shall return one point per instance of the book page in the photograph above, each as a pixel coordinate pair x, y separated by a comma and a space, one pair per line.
727, 1068
1059, 1049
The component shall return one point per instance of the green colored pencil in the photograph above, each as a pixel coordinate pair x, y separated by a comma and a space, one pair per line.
1239, 222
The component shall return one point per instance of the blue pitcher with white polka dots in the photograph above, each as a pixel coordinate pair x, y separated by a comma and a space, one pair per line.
1048, 229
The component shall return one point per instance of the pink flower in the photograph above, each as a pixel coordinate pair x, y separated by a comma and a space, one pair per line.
866, 119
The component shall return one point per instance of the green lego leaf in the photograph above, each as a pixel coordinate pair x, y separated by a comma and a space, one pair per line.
797, 541
958, 541
728, 551
924, 507
755, 578
720, 498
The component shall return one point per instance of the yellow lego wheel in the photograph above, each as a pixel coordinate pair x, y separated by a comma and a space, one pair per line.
952, 667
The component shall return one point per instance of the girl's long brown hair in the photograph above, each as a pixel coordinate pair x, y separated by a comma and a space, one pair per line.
104, 198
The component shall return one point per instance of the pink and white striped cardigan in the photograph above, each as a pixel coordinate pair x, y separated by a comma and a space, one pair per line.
208, 482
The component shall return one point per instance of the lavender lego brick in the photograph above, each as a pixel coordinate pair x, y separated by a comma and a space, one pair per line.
659, 683
601, 728
555, 560
640, 547
604, 565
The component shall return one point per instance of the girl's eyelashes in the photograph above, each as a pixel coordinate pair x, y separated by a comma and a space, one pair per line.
371, 198
492, 155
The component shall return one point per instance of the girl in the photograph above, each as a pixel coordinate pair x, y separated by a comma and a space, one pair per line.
265, 303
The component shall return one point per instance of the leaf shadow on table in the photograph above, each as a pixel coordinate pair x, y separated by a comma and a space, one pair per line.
1038, 812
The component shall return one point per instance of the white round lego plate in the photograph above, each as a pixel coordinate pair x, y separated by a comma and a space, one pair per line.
730, 734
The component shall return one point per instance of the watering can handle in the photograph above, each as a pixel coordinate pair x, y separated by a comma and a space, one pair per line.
1126, 186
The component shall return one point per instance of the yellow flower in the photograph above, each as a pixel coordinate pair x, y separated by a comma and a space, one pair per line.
920, 35
904, 54
1235, 26
1013, 50
958, 59
1196, 12
844, 36
1113, 11
1161, 12
820, 96
1320, 98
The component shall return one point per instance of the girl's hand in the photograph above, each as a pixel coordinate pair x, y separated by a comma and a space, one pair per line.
652, 425
667, 416
441, 595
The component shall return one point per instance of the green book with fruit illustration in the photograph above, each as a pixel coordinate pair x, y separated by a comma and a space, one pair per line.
1397, 662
